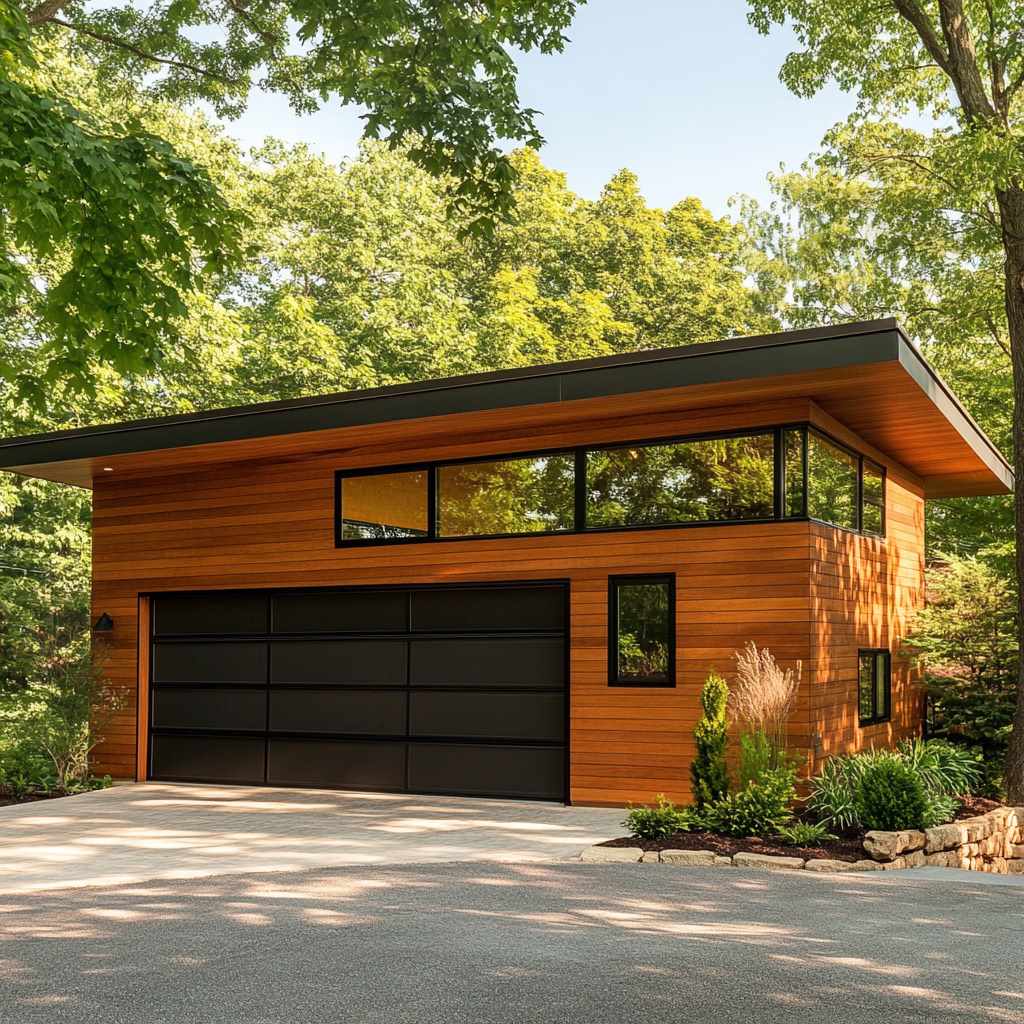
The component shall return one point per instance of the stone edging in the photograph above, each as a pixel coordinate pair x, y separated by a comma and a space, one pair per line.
707, 858
992, 842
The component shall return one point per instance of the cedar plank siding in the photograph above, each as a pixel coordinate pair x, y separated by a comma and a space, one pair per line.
807, 592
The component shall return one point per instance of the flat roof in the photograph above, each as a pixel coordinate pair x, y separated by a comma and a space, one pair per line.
832, 365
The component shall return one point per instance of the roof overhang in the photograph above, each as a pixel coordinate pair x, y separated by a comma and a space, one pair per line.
868, 376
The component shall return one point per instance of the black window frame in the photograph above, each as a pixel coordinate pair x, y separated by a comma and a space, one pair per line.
873, 653
579, 454
614, 582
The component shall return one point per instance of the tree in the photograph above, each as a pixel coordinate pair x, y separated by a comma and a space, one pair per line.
710, 778
962, 62
119, 225
437, 71
849, 236
965, 638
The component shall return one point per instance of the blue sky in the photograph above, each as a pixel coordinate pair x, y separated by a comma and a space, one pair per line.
684, 93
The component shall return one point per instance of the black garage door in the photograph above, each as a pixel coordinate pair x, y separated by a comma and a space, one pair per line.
433, 690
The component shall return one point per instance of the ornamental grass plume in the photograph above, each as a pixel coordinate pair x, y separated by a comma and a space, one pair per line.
762, 697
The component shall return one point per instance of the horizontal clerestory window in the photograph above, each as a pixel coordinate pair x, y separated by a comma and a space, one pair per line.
792, 472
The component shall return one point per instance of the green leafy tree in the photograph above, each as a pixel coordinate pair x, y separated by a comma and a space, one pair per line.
710, 778
962, 62
442, 73
118, 225
966, 640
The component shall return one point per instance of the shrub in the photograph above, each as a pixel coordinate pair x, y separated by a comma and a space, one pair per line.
833, 798
69, 710
757, 756
759, 809
24, 771
657, 822
762, 698
804, 833
945, 769
891, 796
708, 771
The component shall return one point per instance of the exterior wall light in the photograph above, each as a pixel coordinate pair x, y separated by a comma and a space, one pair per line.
104, 624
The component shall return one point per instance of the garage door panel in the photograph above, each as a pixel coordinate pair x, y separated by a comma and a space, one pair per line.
356, 712
341, 612
345, 764
209, 758
210, 662
507, 716
487, 770
339, 662
223, 614
183, 707
488, 608
440, 689
527, 662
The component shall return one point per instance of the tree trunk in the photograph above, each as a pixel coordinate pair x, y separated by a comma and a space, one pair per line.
1011, 215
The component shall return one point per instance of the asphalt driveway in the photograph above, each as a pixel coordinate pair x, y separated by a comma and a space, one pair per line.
530, 943
159, 831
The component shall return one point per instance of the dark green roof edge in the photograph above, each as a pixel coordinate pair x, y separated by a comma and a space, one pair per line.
714, 362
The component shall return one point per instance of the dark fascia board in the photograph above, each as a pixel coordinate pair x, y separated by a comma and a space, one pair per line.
762, 356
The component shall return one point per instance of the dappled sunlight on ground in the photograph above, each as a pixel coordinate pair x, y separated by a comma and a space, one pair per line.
132, 833
585, 943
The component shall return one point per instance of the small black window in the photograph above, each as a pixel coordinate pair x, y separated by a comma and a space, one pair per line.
874, 686
641, 631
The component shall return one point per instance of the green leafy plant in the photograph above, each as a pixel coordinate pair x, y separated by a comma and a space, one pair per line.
891, 796
757, 756
25, 771
761, 701
833, 799
945, 769
657, 822
710, 779
804, 833
759, 809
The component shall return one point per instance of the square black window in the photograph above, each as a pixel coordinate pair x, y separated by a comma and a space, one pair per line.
641, 630
874, 686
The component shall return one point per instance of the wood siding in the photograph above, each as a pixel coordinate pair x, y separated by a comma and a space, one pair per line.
809, 593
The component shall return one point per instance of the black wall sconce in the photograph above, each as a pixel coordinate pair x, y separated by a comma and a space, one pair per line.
104, 624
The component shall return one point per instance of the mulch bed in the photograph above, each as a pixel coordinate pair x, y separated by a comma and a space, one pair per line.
845, 848
8, 801
972, 806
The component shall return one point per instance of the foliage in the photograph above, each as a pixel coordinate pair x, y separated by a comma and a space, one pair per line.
441, 73
966, 640
710, 779
120, 223
944, 769
757, 755
762, 697
59, 715
25, 770
833, 793
759, 809
891, 796
804, 833
962, 64
657, 822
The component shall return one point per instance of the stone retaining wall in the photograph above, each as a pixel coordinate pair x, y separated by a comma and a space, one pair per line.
992, 842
